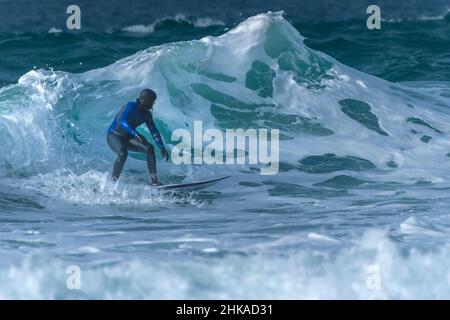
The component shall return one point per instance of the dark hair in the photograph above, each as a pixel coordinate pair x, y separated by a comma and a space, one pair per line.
147, 97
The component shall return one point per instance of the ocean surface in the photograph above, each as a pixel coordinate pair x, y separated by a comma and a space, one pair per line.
360, 208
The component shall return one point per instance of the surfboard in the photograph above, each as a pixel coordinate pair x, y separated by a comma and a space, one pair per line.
189, 184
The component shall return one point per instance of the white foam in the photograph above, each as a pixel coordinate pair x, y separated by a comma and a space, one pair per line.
200, 22
44, 140
96, 188
321, 237
373, 269
413, 225
54, 30
139, 28
89, 249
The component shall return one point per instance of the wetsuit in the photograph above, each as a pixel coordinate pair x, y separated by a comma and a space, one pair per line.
123, 137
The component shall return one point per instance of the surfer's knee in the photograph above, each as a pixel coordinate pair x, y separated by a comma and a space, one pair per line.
149, 149
122, 155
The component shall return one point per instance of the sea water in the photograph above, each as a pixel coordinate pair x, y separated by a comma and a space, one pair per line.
358, 209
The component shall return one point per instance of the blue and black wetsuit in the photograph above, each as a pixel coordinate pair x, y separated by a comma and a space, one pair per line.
123, 137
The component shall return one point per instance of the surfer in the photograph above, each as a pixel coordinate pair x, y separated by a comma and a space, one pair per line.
123, 136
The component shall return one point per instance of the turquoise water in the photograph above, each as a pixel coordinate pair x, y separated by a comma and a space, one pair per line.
364, 160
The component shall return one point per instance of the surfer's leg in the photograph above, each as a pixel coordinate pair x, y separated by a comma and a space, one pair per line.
119, 146
149, 150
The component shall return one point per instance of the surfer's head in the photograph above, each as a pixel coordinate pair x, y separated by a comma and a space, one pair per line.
147, 98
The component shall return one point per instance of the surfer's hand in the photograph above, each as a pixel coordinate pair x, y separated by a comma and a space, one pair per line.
165, 154
138, 138
141, 139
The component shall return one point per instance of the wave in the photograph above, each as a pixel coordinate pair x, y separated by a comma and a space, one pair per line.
422, 17
444, 16
54, 30
376, 268
331, 117
198, 22
342, 133
96, 188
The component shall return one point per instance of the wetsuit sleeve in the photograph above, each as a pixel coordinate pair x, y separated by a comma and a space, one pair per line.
124, 122
154, 131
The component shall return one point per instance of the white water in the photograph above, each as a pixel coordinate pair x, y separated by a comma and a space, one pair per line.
287, 236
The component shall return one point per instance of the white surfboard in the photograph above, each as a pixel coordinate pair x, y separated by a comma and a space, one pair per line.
189, 184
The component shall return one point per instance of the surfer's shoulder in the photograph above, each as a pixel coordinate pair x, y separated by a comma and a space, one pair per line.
131, 105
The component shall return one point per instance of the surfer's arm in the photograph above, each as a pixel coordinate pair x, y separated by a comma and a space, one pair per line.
154, 131
124, 122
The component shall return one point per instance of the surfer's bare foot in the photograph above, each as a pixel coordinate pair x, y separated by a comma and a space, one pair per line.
154, 180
